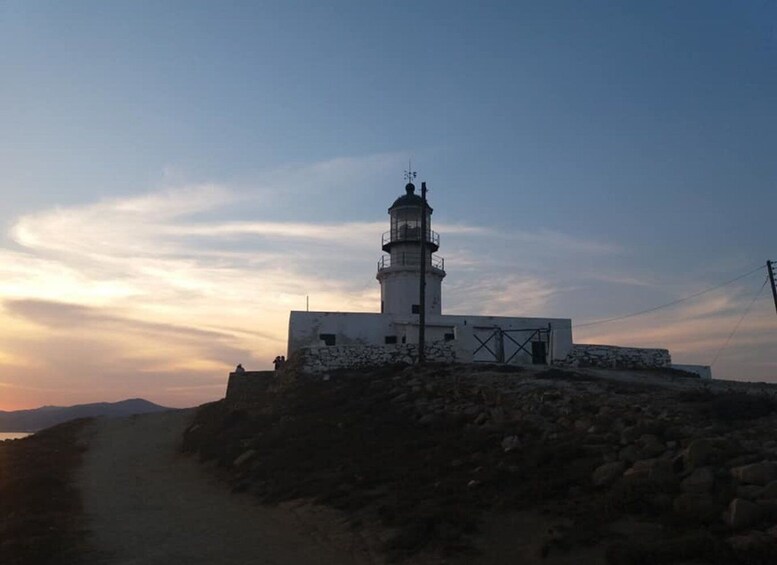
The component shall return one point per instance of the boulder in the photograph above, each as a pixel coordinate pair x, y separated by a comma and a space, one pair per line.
749, 492
697, 454
629, 454
629, 435
653, 470
650, 446
743, 513
750, 541
510, 443
696, 506
607, 473
701, 480
760, 474
768, 508
244, 457
770, 490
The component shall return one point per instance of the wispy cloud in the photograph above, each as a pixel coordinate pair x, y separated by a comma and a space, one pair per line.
697, 330
165, 291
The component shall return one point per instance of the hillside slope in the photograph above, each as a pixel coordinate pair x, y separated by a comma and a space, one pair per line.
530, 465
47, 416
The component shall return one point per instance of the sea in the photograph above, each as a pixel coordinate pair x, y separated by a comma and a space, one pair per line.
12, 435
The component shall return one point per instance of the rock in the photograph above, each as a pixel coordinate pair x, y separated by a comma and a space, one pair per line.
650, 446
697, 454
653, 470
629, 435
582, 424
761, 473
244, 457
696, 506
770, 490
742, 513
700, 481
750, 541
510, 443
768, 508
481, 418
629, 454
497, 415
750, 492
427, 419
607, 473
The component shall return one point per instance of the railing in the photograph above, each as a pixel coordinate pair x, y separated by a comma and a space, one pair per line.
406, 233
409, 260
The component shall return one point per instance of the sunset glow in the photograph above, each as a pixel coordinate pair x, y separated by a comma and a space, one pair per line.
155, 235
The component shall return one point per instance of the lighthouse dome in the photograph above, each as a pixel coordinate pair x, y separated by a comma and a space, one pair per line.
410, 198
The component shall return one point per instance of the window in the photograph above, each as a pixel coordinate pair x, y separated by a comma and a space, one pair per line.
391, 339
416, 308
328, 339
449, 337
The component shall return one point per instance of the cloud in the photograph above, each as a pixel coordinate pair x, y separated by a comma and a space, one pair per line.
59, 315
695, 332
511, 295
163, 292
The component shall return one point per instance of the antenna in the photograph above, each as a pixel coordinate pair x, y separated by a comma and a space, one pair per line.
410, 174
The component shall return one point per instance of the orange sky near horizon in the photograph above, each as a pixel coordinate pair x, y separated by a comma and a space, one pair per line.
142, 296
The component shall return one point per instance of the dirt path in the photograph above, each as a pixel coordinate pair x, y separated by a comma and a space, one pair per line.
148, 504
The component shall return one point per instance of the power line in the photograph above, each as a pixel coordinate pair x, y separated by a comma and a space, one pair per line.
649, 310
736, 327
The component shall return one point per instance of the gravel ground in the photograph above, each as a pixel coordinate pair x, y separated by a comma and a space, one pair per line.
147, 503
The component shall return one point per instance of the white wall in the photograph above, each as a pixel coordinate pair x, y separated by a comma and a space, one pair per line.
364, 329
350, 328
483, 326
399, 290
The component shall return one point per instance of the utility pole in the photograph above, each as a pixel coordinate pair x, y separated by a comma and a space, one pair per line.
422, 300
770, 268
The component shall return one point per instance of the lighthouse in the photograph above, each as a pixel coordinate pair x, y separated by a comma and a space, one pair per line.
399, 269
336, 340
340, 339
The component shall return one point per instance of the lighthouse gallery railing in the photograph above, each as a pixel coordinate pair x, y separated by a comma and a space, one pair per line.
409, 260
409, 233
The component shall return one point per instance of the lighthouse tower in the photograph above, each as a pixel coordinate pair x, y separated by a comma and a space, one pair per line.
399, 271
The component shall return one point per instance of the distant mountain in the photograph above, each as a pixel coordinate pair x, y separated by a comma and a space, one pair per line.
47, 416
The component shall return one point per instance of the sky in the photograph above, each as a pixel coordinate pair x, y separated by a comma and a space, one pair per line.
176, 176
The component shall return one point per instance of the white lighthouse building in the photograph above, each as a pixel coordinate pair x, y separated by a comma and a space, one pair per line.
399, 271
499, 339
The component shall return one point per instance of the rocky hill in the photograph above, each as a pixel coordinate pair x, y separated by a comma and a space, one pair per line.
497, 464
47, 416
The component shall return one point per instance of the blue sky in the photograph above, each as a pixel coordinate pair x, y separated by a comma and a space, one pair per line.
201, 164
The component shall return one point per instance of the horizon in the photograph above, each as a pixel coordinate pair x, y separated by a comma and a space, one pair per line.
178, 177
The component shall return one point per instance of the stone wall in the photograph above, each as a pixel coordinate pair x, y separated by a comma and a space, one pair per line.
323, 358
702, 371
610, 356
244, 389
